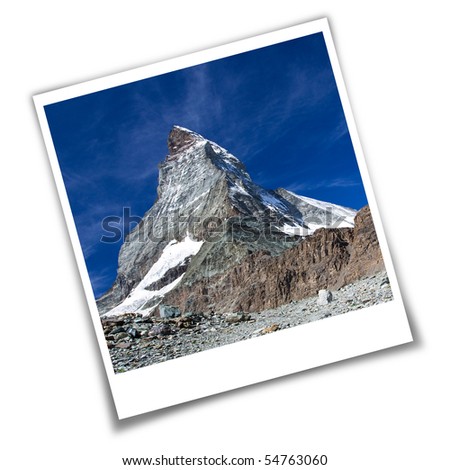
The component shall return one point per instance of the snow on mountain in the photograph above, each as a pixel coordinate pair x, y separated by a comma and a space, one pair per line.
247, 197
296, 230
316, 214
174, 254
347, 214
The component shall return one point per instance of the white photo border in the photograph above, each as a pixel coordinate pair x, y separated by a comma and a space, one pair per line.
247, 362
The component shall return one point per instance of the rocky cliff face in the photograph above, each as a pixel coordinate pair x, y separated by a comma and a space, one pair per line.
216, 241
328, 259
365, 253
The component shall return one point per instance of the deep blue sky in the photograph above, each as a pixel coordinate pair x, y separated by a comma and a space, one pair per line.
277, 109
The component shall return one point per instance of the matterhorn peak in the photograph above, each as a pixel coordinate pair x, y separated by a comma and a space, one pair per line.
201, 183
216, 247
181, 138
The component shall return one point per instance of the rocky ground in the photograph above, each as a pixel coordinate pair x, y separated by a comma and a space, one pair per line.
135, 341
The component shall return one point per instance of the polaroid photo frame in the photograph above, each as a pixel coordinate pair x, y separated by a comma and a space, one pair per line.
105, 138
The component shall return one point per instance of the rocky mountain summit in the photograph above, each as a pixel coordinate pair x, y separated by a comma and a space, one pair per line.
216, 242
204, 195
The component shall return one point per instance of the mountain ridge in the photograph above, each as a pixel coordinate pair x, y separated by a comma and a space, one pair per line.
208, 202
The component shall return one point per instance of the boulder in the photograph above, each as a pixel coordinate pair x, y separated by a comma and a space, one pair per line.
270, 329
160, 330
237, 317
325, 297
133, 332
167, 311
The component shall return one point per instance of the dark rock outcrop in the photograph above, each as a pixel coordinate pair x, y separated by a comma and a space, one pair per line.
365, 252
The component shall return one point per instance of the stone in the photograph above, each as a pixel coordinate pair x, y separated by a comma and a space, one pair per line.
184, 322
325, 297
257, 332
167, 311
123, 345
270, 329
121, 335
160, 330
236, 317
113, 321
133, 332
119, 329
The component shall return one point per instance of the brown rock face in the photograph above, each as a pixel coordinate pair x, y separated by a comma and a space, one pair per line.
179, 139
328, 259
365, 252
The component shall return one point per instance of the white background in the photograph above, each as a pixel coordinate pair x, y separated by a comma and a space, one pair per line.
387, 410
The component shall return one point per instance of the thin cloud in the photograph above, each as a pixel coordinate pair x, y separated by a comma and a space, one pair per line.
100, 280
328, 183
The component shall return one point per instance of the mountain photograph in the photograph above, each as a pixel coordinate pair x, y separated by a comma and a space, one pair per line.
219, 259
218, 203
